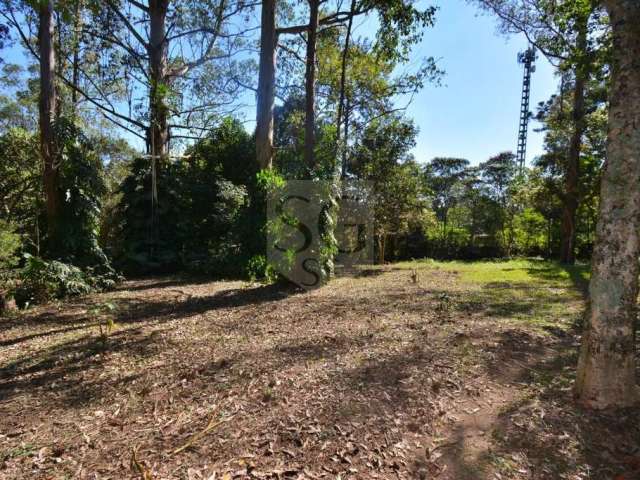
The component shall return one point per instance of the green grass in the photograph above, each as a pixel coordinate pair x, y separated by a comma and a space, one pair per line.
511, 271
521, 271
536, 292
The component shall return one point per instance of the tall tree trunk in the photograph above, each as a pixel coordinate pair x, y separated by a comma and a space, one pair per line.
310, 85
158, 54
266, 85
345, 150
571, 196
47, 113
77, 28
606, 369
381, 248
343, 81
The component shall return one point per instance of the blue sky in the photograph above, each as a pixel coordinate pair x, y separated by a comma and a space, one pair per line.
474, 115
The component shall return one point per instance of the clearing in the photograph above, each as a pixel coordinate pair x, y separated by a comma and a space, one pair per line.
413, 371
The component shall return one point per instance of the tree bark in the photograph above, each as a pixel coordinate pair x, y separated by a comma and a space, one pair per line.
571, 195
343, 81
606, 369
381, 248
158, 53
47, 113
310, 85
77, 27
266, 85
345, 150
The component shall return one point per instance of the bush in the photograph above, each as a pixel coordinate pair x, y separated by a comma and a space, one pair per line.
42, 281
259, 269
201, 222
10, 242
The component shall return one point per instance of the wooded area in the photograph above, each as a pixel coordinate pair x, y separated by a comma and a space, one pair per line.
140, 305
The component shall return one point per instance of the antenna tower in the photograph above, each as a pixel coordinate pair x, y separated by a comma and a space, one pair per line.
528, 59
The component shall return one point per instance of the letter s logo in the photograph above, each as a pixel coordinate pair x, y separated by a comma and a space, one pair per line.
297, 224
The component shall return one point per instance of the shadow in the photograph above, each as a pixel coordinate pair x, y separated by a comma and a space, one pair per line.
15, 341
552, 272
516, 300
558, 437
137, 309
314, 377
133, 310
359, 272
59, 369
460, 460
138, 285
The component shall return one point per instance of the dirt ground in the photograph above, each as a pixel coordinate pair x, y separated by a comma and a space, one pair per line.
373, 376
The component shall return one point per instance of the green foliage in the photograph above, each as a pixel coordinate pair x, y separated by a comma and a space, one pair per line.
201, 209
259, 269
41, 281
10, 242
103, 313
486, 211
20, 184
81, 189
551, 167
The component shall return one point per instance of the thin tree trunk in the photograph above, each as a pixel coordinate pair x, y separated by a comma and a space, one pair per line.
381, 248
158, 54
571, 198
549, 238
77, 27
345, 150
310, 85
606, 369
47, 113
343, 81
266, 85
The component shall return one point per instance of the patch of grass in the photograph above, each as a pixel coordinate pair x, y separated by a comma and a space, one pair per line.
24, 450
518, 271
539, 293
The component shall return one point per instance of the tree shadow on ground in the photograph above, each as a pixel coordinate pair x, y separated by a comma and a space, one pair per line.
25, 338
133, 310
136, 309
499, 300
59, 369
553, 272
553, 437
138, 285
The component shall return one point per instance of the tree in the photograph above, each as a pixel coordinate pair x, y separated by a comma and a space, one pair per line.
567, 33
401, 26
384, 160
606, 368
555, 116
47, 115
499, 173
266, 85
442, 175
21, 184
310, 85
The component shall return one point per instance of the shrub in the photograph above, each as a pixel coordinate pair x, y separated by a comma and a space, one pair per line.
9, 244
259, 268
41, 281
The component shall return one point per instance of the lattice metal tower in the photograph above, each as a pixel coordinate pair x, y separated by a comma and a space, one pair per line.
528, 59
